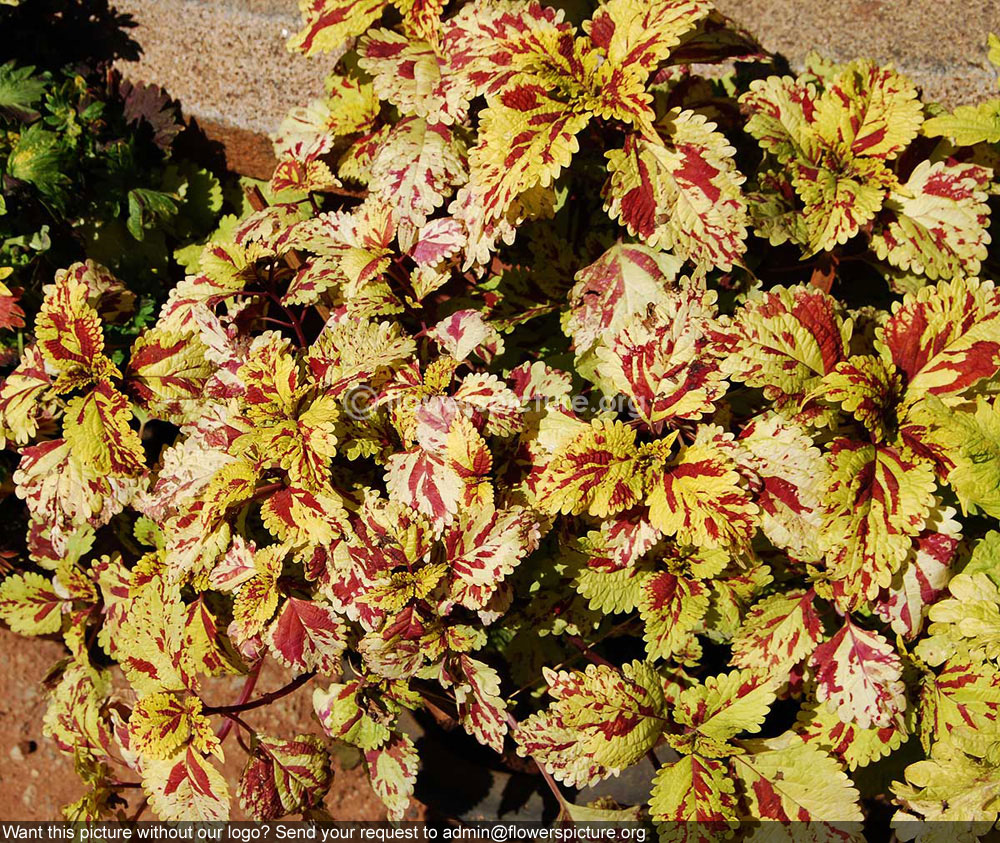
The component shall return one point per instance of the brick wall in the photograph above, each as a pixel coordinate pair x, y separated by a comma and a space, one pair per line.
226, 59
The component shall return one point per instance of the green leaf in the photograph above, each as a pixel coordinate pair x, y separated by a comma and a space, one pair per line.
148, 209
20, 89
985, 557
968, 124
38, 158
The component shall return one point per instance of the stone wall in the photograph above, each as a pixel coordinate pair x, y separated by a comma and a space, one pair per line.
225, 60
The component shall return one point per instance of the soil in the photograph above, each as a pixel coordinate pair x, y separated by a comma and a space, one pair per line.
36, 779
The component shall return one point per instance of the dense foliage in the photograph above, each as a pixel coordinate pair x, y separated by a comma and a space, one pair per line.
621, 415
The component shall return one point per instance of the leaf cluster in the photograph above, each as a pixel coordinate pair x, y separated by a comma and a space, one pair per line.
609, 412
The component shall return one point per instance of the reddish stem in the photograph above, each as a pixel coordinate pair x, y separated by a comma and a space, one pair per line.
590, 655
267, 489
243, 704
295, 322
139, 810
248, 686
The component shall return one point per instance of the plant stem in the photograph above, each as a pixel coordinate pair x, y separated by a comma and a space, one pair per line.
139, 810
347, 193
295, 322
248, 687
590, 655
243, 704
267, 489
239, 721
274, 321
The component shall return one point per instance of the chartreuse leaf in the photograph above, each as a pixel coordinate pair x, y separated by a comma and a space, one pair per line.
966, 622
30, 605
952, 787
836, 143
149, 644
161, 724
603, 720
342, 716
693, 790
971, 442
723, 707
789, 780
671, 609
873, 111
526, 136
985, 557
39, 157
168, 371
597, 472
20, 90
699, 496
74, 717
68, 331
967, 125
868, 388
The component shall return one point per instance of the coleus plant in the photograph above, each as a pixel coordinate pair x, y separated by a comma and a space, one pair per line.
500, 403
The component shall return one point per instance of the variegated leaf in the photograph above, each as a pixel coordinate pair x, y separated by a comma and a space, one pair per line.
603, 720
778, 632
307, 635
699, 496
284, 776
788, 780
393, 772
878, 502
665, 360
329, 23
784, 341
596, 472
671, 609
945, 338
697, 792
859, 675
686, 196
937, 224
619, 285
187, 787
